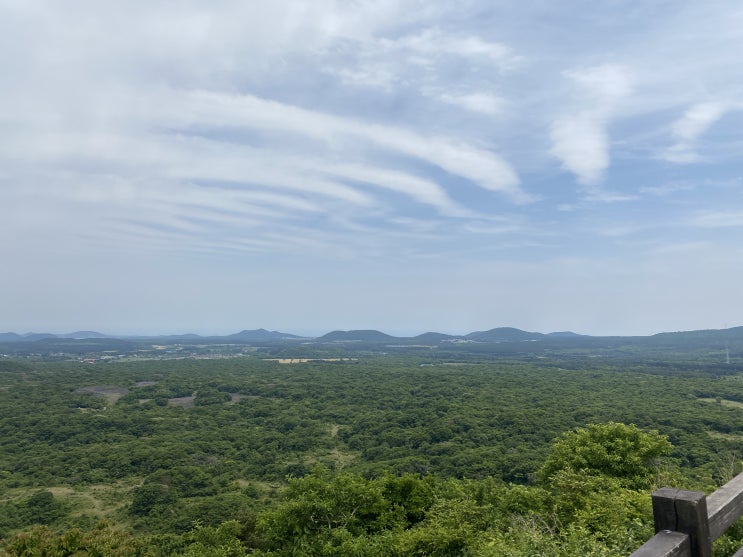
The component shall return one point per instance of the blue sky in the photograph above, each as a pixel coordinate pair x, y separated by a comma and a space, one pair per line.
401, 165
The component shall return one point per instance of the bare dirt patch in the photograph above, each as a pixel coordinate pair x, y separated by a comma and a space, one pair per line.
235, 398
111, 393
183, 401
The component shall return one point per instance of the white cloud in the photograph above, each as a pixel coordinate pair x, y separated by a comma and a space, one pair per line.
429, 51
685, 248
484, 168
502, 226
582, 144
580, 138
718, 219
434, 42
456, 69
182, 157
602, 195
698, 119
687, 130
476, 102
665, 189
604, 84
423, 191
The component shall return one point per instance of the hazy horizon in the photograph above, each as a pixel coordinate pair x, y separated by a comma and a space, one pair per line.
404, 166
315, 334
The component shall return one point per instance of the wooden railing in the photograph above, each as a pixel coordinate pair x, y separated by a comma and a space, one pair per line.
687, 522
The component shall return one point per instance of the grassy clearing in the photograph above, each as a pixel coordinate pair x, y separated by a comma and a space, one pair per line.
737, 437
724, 402
342, 458
84, 506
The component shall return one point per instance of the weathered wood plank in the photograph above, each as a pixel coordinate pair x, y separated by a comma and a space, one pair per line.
665, 544
664, 509
684, 511
725, 506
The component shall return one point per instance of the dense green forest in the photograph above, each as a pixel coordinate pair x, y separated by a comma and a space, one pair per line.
388, 454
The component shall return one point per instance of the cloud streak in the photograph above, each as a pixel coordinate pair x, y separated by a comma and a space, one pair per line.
690, 127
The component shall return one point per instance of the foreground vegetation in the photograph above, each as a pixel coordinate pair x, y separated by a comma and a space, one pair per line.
385, 455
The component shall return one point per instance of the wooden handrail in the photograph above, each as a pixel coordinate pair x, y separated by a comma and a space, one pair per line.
725, 506
665, 544
687, 522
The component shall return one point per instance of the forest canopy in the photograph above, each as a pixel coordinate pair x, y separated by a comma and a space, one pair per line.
380, 455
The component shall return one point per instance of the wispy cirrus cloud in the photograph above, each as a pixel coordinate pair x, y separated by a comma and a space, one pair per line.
440, 66
689, 128
418, 60
667, 189
485, 103
186, 137
483, 168
718, 219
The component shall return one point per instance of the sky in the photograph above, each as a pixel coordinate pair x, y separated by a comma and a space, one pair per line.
407, 166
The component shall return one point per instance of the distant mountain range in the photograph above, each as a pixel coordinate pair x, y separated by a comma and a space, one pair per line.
499, 334
30, 337
246, 335
496, 335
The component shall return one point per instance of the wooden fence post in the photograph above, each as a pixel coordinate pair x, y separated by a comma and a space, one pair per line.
684, 511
